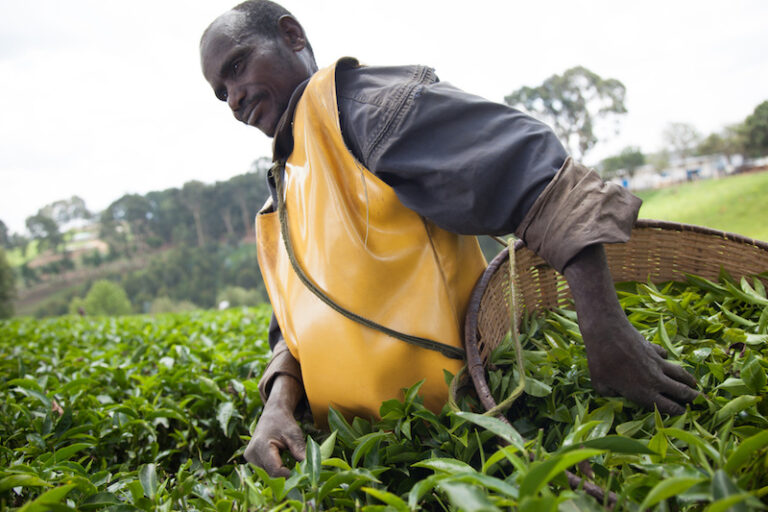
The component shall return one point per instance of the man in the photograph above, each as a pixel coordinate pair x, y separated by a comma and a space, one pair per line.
380, 173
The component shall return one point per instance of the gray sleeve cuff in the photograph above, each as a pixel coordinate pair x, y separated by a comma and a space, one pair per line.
577, 209
282, 363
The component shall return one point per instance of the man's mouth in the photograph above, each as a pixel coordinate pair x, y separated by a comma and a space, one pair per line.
255, 112
251, 118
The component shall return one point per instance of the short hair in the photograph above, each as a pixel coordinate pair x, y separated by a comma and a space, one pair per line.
261, 17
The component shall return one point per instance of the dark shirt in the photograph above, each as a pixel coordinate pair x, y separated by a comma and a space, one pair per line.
469, 165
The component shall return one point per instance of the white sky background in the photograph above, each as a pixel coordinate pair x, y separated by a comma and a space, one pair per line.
101, 98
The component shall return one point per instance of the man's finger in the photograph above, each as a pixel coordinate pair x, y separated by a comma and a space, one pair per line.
270, 461
296, 445
678, 391
668, 406
679, 374
251, 453
602, 389
658, 349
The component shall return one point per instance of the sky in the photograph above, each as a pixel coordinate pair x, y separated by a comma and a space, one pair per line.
100, 98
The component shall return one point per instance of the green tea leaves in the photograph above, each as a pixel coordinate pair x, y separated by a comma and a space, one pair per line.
154, 413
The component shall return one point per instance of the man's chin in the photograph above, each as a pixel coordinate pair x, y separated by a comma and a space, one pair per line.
270, 132
267, 128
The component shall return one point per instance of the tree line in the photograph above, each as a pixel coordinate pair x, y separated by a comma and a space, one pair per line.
748, 139
579, 102
195, 214
192, 237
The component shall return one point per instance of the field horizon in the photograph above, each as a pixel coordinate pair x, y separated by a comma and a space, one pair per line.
734, 203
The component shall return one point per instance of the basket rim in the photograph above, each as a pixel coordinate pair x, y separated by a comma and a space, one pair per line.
679, 226
475, 366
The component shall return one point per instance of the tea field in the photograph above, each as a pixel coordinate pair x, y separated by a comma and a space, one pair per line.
153, 413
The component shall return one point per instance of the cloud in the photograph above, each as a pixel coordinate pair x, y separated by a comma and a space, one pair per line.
104, 98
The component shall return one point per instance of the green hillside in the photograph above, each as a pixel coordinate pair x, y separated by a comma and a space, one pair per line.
735, 203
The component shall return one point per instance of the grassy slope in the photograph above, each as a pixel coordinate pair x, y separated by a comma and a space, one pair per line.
16, 259
735, 203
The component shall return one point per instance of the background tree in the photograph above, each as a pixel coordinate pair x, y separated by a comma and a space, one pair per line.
249, 193
28, 275
223, 193
7, 287
21, 242
628, 160
756, 131
170, 221
193, 196
45, 230
682, 138
730, 141
572, 103
5, 236
66, 210
105, 298
659, 160
133, 211
734, 140
712, 144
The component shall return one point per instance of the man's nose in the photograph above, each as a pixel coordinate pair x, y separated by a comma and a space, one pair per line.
235, 98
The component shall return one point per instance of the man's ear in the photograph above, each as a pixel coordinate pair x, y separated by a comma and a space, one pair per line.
292, 33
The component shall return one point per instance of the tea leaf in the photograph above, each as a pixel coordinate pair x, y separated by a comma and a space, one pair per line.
148, 479
225, 411
51, 497
21, 480
365, 444
314, 462
388, 498
735, 406
668, 488
618, 444
541, 473
753, 375
495, 425
326, 448
466, 497
746, 451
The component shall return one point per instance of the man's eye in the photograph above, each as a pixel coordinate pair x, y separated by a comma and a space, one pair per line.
236, 66
221, 94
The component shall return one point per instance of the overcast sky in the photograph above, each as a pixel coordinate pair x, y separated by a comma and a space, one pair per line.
101, 98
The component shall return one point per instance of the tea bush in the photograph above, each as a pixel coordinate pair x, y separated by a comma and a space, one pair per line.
153, 413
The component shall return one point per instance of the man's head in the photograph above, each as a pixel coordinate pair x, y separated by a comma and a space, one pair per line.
254, 56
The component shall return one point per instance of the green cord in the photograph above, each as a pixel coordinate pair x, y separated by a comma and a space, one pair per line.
515, 335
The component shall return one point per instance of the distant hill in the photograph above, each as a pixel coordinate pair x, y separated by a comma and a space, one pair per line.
735, 203
186, 244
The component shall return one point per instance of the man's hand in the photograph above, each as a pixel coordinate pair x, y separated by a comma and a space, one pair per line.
276, 429
620, 360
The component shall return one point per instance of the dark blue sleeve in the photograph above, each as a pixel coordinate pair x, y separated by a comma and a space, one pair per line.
470, 165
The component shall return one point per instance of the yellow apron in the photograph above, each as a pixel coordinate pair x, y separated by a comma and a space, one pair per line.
369, 254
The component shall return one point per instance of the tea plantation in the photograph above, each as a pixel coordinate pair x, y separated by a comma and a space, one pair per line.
153, 413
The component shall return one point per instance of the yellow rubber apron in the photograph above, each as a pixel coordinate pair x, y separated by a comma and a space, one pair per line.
372, 256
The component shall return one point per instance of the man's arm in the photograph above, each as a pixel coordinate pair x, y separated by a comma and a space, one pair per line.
281, 390
277, 430
567, 226
620, 360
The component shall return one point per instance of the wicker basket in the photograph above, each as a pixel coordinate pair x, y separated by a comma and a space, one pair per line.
657, 251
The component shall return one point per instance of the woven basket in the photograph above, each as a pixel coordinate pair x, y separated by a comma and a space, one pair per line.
657, 251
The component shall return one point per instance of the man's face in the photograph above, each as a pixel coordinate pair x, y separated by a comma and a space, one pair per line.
253, 74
